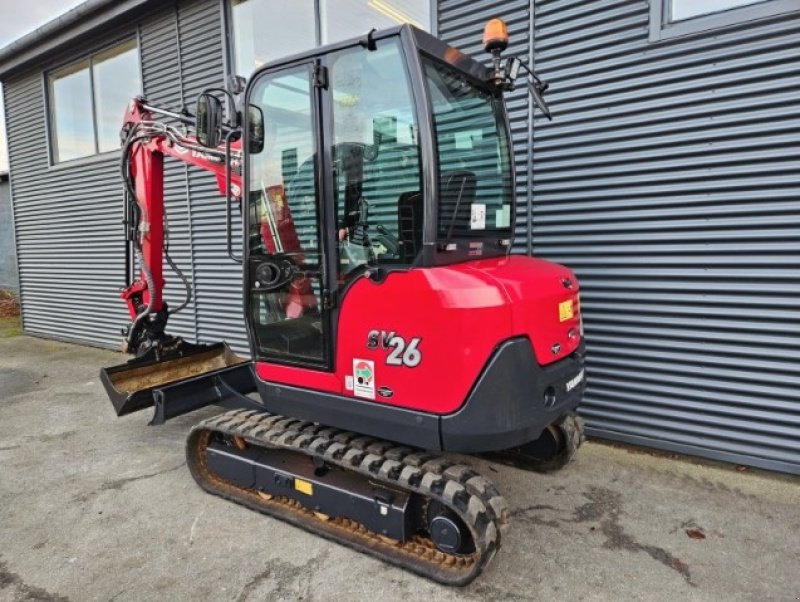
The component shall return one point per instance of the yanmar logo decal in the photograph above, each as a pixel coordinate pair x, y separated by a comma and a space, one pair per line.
574, 382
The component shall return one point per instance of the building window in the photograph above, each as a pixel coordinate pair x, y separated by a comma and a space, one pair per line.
291, 29
305, 24
674, 18
342, 19
687, 9
87, 101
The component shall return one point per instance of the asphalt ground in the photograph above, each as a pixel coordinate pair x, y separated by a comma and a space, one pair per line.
94, 507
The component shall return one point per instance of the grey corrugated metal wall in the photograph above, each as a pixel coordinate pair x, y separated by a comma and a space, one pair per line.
68, 216
67, 226
669, 180
218, 278
460, 23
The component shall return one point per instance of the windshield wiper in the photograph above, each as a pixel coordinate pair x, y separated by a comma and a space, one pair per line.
449, 238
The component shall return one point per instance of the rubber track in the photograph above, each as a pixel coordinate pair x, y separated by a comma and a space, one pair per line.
572, 430
471, 496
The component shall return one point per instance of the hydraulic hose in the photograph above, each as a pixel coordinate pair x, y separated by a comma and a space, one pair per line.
178, 272
131, 191
148, 277
135, 136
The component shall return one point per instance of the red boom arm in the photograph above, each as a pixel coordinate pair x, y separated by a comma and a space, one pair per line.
151, 140
147, 142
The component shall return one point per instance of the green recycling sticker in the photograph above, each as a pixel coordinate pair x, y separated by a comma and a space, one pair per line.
364, 378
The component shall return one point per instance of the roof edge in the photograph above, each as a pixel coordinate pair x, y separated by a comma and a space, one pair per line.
76, 22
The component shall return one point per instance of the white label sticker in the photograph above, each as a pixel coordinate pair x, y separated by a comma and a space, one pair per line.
364, 378
348, 383
478, 218
502, 217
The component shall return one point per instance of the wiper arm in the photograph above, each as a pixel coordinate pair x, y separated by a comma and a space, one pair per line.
455, 212
537, 89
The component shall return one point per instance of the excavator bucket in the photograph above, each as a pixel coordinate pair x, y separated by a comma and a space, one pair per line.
188, 374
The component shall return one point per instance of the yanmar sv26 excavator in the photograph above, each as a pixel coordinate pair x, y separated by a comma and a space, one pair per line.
388, 320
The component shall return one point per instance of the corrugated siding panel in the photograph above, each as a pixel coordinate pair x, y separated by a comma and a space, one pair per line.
669, 181
68, 217
68, 231
218, 279
161, 79
460, 23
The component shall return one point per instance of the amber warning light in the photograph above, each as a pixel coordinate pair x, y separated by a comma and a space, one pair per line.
495, 35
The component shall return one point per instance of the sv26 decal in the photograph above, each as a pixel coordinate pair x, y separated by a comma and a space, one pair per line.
401, 352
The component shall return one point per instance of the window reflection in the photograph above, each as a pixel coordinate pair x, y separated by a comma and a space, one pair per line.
71, 101
686, 9
342, 19
88, 99
265, 30
116, 81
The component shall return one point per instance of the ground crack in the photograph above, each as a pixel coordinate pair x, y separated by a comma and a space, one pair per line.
120, 483
285, 575
529, 514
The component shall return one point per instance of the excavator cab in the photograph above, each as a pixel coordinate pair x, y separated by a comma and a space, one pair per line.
380, 155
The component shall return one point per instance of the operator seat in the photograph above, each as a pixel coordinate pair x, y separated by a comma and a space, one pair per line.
410, 211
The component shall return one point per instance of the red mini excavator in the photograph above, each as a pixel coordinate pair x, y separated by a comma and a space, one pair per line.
388, 320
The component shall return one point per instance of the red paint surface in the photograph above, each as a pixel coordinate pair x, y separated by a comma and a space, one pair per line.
461, 313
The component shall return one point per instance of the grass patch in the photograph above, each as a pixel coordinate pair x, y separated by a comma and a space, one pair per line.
10, 327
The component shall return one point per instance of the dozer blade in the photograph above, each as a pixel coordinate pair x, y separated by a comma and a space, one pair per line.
138, 383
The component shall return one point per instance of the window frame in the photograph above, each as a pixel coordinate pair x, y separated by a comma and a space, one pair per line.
662, 29
47, 77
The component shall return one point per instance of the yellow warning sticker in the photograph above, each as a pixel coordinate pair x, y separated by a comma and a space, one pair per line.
304, 487
565, 310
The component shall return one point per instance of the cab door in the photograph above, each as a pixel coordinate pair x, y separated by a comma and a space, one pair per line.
286, 279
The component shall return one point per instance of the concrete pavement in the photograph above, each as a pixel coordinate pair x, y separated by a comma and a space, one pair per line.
93, 507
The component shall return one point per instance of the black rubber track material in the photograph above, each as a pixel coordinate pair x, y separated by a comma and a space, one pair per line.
571, 437
471, 496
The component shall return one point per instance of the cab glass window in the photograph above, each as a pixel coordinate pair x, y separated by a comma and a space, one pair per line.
475, 179
286, 254
376, 158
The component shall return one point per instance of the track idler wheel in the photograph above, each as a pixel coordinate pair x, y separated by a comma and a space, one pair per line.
552, 451
447, 531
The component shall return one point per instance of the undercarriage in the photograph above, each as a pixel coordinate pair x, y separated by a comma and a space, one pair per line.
423, 512
413, 508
